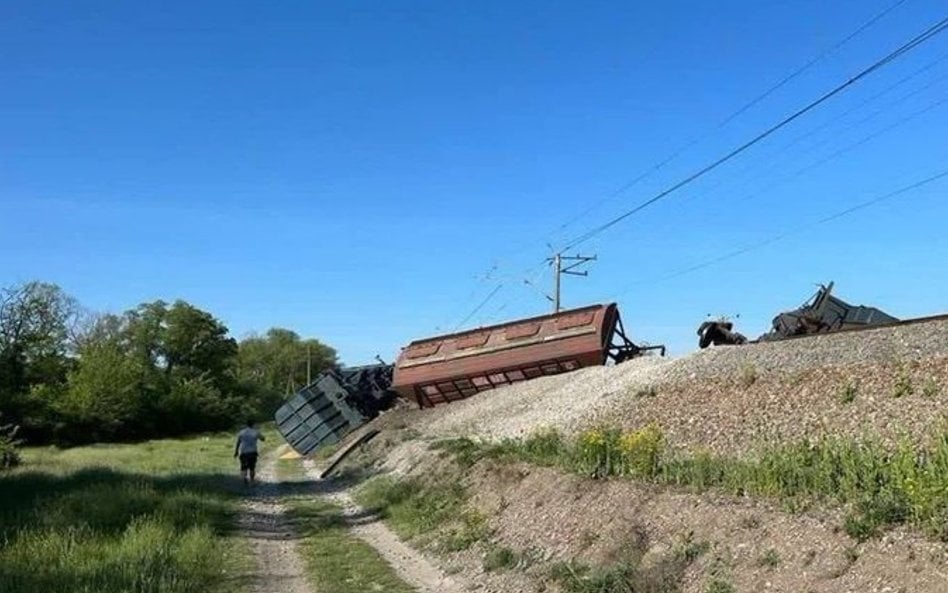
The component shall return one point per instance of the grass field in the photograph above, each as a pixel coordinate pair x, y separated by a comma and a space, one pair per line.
150, 517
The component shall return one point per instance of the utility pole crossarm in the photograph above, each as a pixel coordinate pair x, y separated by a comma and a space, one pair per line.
558, 270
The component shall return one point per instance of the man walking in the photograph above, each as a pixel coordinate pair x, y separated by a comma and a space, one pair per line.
246, 448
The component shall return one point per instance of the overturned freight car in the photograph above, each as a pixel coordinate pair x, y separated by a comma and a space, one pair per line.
451, 367
337, 402
822, 313
825, 313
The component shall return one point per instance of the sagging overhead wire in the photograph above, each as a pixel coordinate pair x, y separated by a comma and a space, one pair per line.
734, 115
479, 306
820, 161
926, 35
803, 227
742, 174
726, 121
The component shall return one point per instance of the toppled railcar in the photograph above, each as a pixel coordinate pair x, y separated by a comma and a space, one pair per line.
451, 367
333, 405
720, 332
825, 313
822, 313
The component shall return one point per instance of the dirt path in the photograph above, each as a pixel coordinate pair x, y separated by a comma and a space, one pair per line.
265, 526
409, 564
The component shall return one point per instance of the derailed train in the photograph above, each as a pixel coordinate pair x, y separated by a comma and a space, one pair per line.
451, 367
822, 313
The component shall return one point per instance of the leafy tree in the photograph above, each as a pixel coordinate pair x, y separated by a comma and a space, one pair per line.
277, 360
104, 398
37, 322
195, 343
155, 370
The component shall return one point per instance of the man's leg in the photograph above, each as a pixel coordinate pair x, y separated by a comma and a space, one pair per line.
244, 470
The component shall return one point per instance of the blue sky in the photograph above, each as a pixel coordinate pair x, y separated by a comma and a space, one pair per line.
368, 172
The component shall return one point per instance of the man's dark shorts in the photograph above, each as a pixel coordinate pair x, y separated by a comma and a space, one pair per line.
248, 461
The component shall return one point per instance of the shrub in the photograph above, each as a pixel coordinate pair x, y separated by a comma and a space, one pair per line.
770, 558
649, 391
748, 375
500, 558
642, 450
903, 385
9, 446
931, 388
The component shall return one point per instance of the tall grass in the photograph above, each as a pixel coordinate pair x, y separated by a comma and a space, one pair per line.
879, 486
149, 518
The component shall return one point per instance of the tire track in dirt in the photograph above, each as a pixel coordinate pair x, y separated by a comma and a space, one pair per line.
409, 564
264, 525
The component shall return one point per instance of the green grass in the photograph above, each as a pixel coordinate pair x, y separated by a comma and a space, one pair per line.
336, 561
903, 385
414, 508
501, 558
848, 393
770, 558
152, 517
878, 485
719, 585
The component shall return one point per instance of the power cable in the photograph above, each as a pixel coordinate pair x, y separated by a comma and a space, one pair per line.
931, 32
845, 149
734, 115
802, 227
835, 120
479, 306
727, 120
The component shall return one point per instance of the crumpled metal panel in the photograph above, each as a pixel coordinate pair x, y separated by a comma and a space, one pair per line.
332, 406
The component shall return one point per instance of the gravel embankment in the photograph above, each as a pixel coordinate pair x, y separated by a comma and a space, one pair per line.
732, 398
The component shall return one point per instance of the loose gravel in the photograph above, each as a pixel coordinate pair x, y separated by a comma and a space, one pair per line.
733, 398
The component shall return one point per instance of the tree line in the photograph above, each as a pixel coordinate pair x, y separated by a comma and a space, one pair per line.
68, 376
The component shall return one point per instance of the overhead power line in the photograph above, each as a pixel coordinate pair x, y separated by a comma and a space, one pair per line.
814, 60
479, 306
783, 235
786, 178
735, 114
928, 34
658, 166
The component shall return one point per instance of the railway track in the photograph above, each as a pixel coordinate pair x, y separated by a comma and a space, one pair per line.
913, 321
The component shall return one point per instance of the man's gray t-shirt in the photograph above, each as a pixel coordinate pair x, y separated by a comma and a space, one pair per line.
247, 440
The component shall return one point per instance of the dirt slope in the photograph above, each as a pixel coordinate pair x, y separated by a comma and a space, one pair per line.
889, 383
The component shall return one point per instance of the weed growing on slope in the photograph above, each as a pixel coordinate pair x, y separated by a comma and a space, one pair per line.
879, 486
470, 528
748, 375
931, 388
504, 558
770, 558
719, 585
847, 394
903, 385
649, 391
630, 575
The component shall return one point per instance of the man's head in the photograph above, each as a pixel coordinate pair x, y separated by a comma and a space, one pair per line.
250, 423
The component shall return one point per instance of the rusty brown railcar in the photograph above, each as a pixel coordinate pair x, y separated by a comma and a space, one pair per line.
447, 368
